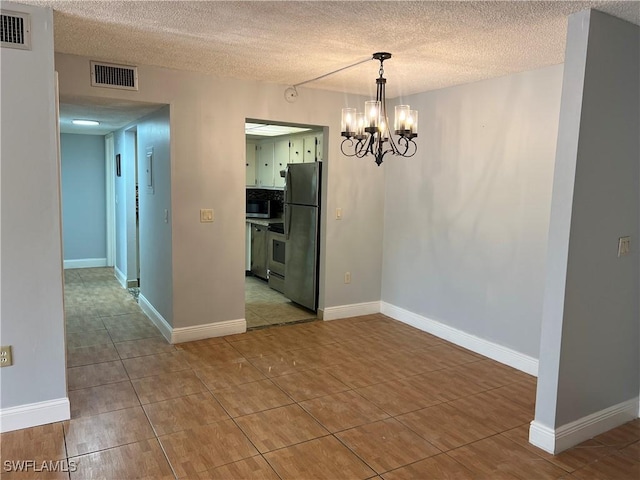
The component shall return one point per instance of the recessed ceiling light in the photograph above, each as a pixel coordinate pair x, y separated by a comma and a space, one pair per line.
85, 122
265, 130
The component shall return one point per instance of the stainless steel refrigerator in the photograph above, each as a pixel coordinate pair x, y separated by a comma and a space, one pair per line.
301, 228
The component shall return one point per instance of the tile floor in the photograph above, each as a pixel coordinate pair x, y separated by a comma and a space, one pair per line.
358, 398
265, 306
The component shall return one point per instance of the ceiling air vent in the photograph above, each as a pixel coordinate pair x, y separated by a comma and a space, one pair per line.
15, 30
110, 75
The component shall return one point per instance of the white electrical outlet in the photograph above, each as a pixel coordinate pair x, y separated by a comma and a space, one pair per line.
347, 277
624, 246
6, 357
206, 215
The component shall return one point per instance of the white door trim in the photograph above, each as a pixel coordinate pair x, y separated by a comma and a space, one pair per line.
110, 198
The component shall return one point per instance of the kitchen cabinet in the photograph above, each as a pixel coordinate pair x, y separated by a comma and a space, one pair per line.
309, 148
259, 250
265, 164
320, 147
296, 150
280, 160
250, 161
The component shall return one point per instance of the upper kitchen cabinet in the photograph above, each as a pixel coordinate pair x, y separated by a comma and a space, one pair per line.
280, 160
296, 150
320, 147
265, 164
250, 161
312, 146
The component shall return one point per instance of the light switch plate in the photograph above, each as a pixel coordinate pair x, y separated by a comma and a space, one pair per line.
206, 215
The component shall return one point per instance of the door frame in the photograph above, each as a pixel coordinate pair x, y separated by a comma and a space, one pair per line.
110, 185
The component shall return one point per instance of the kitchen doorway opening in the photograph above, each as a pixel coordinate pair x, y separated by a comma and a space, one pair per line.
282, 243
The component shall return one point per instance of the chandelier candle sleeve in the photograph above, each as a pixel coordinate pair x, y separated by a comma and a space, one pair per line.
401, 125
372, 111
349, 121
369, 133
413, 122
360, 126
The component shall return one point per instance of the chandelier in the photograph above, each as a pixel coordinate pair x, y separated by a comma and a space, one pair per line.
368, 133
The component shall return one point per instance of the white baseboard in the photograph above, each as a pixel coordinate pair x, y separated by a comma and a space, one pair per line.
571, 434
86, 263
479, 345
346, 311
157, 319
121, 277
200, 332
542, 437
190, 334
34, 414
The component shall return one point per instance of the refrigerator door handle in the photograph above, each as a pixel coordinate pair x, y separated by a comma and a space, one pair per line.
287, 186
287, 221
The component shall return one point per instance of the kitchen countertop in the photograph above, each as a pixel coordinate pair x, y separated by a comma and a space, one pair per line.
265, 222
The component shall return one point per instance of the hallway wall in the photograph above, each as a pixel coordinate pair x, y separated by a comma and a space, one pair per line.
33, 390
156, 274
83, 200
590, 342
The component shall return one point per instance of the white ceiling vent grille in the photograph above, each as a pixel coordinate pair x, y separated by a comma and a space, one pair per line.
15, 30
110, 75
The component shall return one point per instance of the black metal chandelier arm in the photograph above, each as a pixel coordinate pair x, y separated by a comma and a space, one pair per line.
380, 155
358, 147
410, 147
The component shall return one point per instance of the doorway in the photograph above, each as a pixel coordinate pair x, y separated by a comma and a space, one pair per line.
271, 147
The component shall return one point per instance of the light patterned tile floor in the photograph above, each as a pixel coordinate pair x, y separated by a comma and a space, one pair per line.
265, 306
364, 397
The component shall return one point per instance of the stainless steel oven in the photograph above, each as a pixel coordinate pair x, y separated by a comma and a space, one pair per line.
276, 245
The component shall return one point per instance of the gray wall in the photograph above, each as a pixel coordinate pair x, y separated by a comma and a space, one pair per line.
84, 219
208, 171
466, 219
155, 213
31, 306
590, 339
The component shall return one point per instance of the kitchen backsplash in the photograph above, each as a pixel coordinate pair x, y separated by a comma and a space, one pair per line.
276, 197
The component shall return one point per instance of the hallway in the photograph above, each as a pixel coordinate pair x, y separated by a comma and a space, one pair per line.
364, 397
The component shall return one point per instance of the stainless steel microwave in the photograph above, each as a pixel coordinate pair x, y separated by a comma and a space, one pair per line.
258, 208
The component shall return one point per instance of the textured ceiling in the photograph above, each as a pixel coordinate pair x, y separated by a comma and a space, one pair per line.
434, 44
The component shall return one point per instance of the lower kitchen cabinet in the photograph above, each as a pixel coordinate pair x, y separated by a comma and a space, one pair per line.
259, 250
